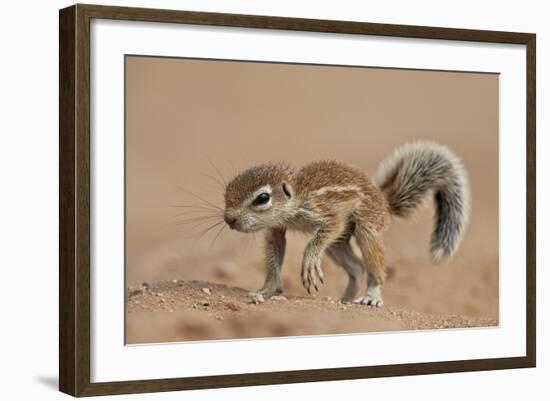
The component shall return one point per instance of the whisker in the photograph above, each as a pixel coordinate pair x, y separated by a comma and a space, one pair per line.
219, 173
233, 167
198, 213
195, 220
217, 191
217, 235
208, 229
201, 199
200, 224
191, 219
247, 245
205, 207
216, 180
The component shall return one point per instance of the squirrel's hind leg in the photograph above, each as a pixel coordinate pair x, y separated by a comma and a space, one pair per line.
342, 254
373, 257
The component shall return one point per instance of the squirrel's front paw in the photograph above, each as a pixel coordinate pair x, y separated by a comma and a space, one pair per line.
311, 272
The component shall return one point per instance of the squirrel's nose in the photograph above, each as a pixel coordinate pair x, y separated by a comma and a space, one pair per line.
230, 220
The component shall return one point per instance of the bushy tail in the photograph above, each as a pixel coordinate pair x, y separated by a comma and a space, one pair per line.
417, 168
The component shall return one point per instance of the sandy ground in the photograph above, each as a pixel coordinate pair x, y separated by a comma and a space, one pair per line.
192, 124
198, 310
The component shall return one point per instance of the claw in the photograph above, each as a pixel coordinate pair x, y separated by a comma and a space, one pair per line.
370, 302
311, 274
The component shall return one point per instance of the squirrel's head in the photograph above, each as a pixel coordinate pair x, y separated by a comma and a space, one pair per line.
259, 197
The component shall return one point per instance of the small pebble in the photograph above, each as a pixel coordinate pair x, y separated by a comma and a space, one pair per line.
278, 298
175, 281
133, 292
232, 306
206, 291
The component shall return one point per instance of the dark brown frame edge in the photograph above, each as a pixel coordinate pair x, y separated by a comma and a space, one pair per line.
74, 199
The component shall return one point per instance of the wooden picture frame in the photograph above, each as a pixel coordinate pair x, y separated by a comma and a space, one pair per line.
74, 203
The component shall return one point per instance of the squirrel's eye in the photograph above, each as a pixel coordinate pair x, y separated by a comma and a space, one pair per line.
261, 199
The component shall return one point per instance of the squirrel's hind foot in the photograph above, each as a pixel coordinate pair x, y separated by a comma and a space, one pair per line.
370, 300
263, 294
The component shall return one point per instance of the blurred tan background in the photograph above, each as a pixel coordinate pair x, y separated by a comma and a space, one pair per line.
187, 118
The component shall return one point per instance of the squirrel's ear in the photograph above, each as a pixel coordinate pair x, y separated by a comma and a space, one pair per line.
286, 190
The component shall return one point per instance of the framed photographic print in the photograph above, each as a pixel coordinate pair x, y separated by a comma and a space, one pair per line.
251, 200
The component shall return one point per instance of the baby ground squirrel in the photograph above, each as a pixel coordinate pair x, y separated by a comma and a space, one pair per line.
334, 202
